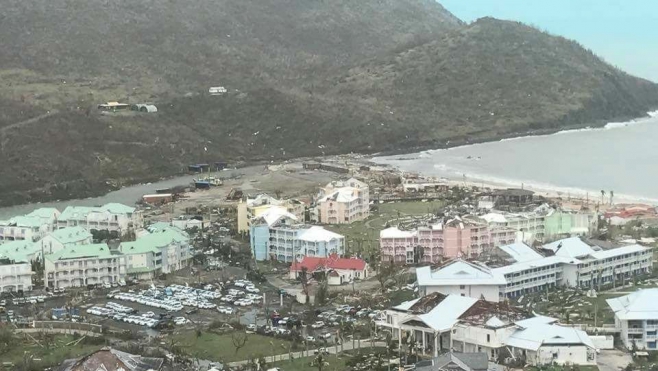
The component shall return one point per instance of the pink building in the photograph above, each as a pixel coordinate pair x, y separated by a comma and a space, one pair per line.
454, 238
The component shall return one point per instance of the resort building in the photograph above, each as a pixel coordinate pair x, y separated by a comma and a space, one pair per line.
462, 278
30, 227
544, 223
251, 208
23, 251
78, 266
343, 202
636, 318
439, 322
112, 217
65, 237
15, 267
454, 238
574, 264
276, 235
164, 250
337, 270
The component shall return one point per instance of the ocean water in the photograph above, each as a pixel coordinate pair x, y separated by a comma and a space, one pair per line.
622, 157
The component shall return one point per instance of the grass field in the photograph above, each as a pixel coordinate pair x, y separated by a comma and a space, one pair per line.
220, 348
45, 356
363, 236
332, 363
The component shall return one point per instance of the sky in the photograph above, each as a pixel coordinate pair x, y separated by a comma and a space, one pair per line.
623, 32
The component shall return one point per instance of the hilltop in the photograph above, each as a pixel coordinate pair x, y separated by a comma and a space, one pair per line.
304, 78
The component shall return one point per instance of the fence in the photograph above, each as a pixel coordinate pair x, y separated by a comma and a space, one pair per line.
68, 327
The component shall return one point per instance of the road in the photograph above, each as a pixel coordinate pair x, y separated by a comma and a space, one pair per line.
294, 288
613, 360
310, 353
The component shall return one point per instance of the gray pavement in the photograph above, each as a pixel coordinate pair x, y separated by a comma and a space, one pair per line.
613, 360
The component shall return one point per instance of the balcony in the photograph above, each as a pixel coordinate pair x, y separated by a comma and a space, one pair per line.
635, 330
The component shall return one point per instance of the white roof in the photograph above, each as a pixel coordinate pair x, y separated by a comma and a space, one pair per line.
406, 305
274, 214
533, 337
444, 316
604, 254
572, 247
494, 322
537, 320
262, 200
519, 267
317, 234
494, 218
346, 194
639, 305
521, 252
459, 272
394, 232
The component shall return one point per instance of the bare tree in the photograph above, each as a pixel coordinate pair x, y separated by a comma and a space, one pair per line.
239, 340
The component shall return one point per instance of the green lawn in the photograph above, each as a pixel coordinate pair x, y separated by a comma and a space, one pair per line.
46, 356
332, 363
562, 368
363, 236
220, 348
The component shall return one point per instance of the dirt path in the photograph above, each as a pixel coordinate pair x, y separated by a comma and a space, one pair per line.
4, 130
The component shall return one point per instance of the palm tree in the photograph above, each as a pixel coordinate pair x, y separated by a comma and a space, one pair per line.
602, 196
612, 194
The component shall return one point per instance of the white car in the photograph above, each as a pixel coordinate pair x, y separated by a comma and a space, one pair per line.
148, 315
252, 289
318, 324
310, 338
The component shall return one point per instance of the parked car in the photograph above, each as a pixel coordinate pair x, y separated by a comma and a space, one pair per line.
317, 324
310, 339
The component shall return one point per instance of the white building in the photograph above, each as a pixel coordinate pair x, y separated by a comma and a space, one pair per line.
575, 264
15, 268
438, 322
636, 317
112, 217
82, 265
337, 270
164, 250
463, 278
30, 227
65, 237
275, 234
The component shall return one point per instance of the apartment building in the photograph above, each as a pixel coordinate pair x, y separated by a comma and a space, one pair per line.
78, 266
23, 251
439, 322
65, 237
544, 223
462, 278
343, 202
15, 268
112, 217
276, 235
636, 318
450, 239
163, 250
592, 266
251, 208
30, 227
574, 264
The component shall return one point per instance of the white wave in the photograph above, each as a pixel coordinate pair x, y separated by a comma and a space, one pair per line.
574, 130
653, 113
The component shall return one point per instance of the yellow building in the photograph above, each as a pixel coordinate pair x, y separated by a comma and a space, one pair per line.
255, 207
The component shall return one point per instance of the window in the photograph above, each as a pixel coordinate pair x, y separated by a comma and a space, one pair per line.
488, 338
462, 287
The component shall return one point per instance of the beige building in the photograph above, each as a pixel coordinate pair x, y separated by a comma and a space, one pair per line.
343, 202
251, 208
78, 266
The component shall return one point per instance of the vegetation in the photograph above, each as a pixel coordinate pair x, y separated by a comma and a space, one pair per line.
43, 351
223, 348
304, 78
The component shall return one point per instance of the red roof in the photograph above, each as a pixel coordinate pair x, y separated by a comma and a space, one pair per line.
332, 262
